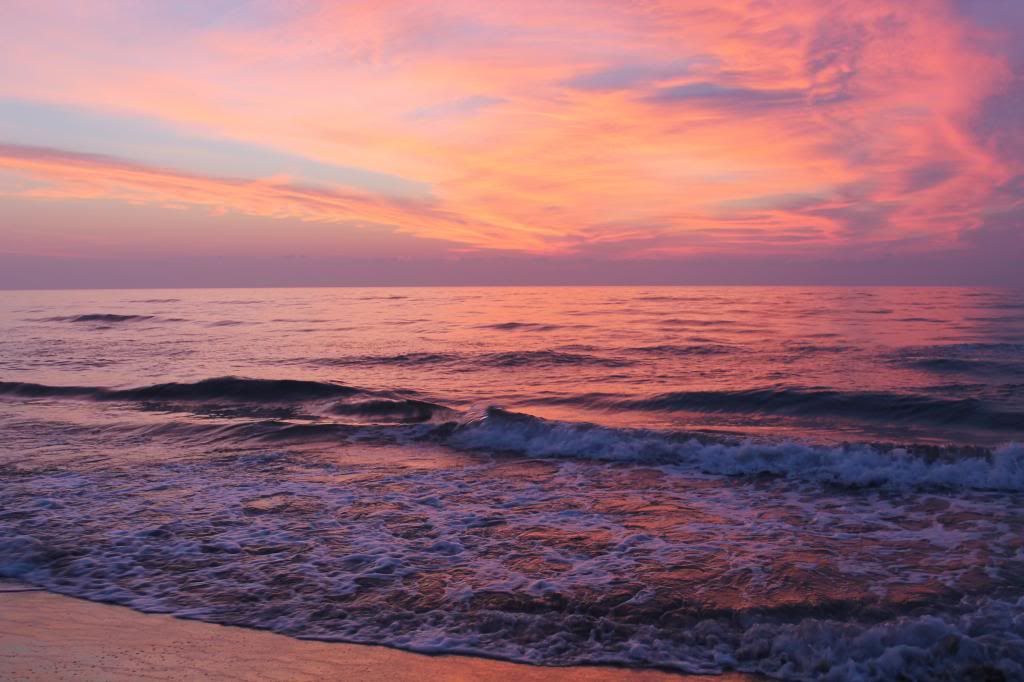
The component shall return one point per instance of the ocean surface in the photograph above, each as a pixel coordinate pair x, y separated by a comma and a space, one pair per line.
811, 483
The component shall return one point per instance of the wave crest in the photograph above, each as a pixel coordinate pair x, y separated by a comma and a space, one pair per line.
106, 318
857, 465
225, 388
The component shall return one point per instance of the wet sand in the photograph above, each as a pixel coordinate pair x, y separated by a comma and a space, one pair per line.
45, 636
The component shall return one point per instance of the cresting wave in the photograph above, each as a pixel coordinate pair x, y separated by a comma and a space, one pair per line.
551, 561
888, 407
860, 465
902, 408
492, 429
254, 398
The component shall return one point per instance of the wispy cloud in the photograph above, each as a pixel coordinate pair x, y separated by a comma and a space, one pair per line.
542, 126
72, 175
457, 108
734, 100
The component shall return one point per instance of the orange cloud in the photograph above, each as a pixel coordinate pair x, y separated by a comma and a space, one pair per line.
84, 176
560, 127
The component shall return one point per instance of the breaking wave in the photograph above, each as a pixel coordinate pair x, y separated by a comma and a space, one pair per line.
855, 465
494, 429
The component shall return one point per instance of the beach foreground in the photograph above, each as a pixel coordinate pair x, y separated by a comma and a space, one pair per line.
45, 636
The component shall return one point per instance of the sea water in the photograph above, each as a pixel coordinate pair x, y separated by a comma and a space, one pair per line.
805, 482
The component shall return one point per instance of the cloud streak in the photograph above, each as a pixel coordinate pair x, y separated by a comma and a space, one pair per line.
70, 175
570, 129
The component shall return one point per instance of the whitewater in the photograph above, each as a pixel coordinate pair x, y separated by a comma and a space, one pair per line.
809, 483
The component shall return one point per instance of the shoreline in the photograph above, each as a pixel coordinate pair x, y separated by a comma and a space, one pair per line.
47, 636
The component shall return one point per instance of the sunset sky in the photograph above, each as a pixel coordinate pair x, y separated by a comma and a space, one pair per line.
273, 142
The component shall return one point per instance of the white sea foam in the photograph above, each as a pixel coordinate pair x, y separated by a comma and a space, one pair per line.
849, 465
556, 561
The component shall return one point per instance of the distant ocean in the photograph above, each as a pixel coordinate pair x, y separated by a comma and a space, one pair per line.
813, 483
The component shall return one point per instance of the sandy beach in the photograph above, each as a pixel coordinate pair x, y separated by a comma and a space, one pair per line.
45, 636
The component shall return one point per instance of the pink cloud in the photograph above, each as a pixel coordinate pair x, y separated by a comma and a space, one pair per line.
556, 127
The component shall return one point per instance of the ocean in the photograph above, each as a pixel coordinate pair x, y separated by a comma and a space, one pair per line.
809, 483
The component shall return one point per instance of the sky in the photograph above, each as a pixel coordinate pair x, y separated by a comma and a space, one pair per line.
288, 142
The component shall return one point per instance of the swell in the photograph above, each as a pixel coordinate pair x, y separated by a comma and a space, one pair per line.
236, 388
984, 360
224, 388
402, 419
686, 350
548, 358
523, 326
107, 318
568, 356
252, 398
23, 389
400, 410
983, 368
903, 408
398, 360
531, 358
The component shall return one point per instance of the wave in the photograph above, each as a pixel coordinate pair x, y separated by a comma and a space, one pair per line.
672, 299
547, 358
878, 406
995, 318
523, 326
684, 350
401, 410
533, 358
798, 347
225, 388
859, 465
969, 348
264, 399
895, 408
560, 570
683, 322
977, 359
236, 388
967, 366
106, 318
494, 429
30, 390
399, 360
